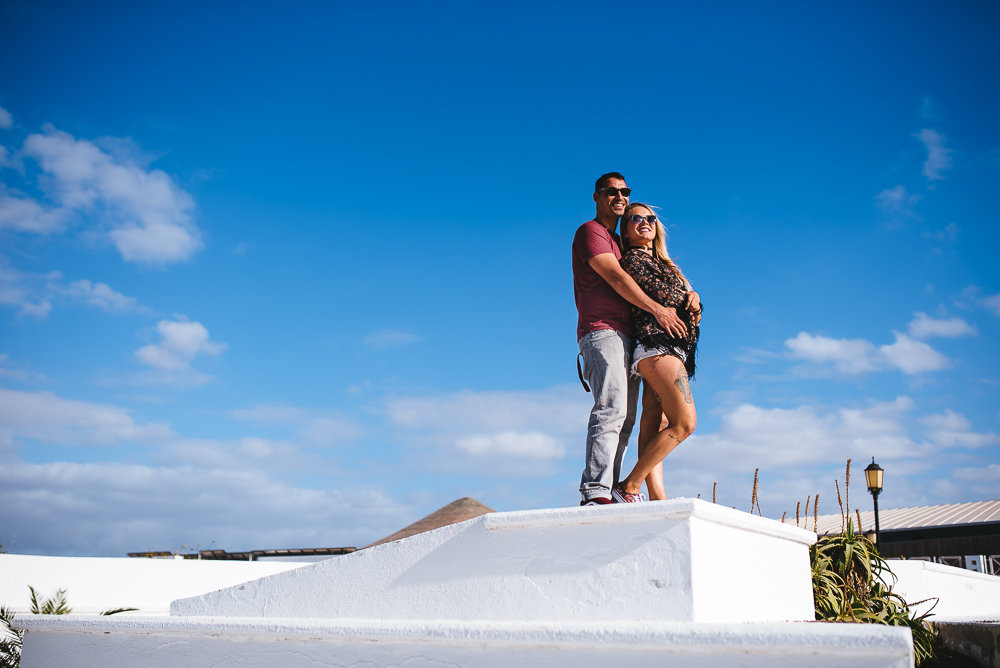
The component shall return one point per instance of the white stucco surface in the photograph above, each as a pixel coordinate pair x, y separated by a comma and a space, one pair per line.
961, 595
96, 584
120, 641
677, 560
675, 583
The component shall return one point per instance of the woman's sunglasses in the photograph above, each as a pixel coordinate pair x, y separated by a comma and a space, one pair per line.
636, 218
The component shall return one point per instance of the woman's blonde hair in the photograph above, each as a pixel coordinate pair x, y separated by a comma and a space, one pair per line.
659, 242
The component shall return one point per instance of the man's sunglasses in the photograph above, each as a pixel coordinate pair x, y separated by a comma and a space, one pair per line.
636, 218
614, 192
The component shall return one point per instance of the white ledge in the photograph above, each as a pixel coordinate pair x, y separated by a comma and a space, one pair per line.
89, 641
673, 509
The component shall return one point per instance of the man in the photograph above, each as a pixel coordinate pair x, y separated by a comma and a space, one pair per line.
604, 294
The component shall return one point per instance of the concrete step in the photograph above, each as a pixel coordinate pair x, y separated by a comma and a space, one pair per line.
86, 642
676, 560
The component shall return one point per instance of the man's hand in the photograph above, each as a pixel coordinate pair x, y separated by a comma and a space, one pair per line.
670, 321
607, 267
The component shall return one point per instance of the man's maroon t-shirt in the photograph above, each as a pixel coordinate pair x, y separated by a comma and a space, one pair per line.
599, 306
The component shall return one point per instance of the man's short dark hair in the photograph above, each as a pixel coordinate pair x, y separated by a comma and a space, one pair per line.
602, 182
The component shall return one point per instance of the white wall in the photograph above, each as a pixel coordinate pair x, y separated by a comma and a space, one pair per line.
592, 585
962, 595
679, 560
167, 642
96, 584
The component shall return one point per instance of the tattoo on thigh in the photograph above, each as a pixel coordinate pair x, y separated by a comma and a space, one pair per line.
682, 384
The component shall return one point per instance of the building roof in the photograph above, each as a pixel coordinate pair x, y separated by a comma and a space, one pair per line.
252, 555
457, 511
920, 517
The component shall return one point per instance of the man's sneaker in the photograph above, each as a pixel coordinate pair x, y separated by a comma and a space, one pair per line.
596, 501
621, 496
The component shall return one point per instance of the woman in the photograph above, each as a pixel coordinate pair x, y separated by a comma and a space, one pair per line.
664, 361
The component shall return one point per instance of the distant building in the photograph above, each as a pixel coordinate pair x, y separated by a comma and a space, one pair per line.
958, 534
290, 554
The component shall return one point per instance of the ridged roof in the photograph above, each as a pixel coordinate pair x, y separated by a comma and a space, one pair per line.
910, 518
457, 511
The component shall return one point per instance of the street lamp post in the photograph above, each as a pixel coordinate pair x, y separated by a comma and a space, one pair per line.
873, 476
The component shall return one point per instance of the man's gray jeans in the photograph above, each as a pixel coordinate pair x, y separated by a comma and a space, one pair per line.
607, 357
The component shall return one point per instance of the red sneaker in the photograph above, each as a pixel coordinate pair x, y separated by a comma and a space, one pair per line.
621, 496
596, 501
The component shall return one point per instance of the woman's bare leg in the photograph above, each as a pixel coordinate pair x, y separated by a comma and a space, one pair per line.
668, 378
651, 423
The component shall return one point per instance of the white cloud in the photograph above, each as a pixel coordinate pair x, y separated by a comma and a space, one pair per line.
47, 417
491, 412
6, 120
752, 436
329, 431
22, 214
938, 157
896, 200
37, 310
946, 236
949, 429
30, 293
268, 413
912, 356
925, 327
17, 370
533, 445
851, 356
35, 294
110, 509
804, 449
180, 342
499, 434
100, 295
241, 454
148, 216
993, 303
856, 356
389, 338
980, 482
317, 427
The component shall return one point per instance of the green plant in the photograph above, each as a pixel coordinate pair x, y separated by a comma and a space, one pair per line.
54, 605
10, 640
853, 583
115, 611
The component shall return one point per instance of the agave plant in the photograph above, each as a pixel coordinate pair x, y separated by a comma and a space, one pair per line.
10, 640
853, 583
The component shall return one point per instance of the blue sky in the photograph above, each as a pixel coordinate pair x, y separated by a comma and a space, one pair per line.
296, 278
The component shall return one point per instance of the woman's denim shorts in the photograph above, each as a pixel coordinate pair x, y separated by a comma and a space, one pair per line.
642, 352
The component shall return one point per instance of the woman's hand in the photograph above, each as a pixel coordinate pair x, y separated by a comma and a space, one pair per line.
692, 302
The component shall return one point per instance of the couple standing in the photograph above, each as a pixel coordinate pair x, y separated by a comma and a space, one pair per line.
638, 324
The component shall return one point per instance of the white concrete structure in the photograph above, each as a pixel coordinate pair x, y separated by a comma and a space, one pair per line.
680, 560
248, 643
959, 595
671, 583
96, 584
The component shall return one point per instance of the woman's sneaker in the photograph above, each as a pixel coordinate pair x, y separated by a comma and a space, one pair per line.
619, 495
